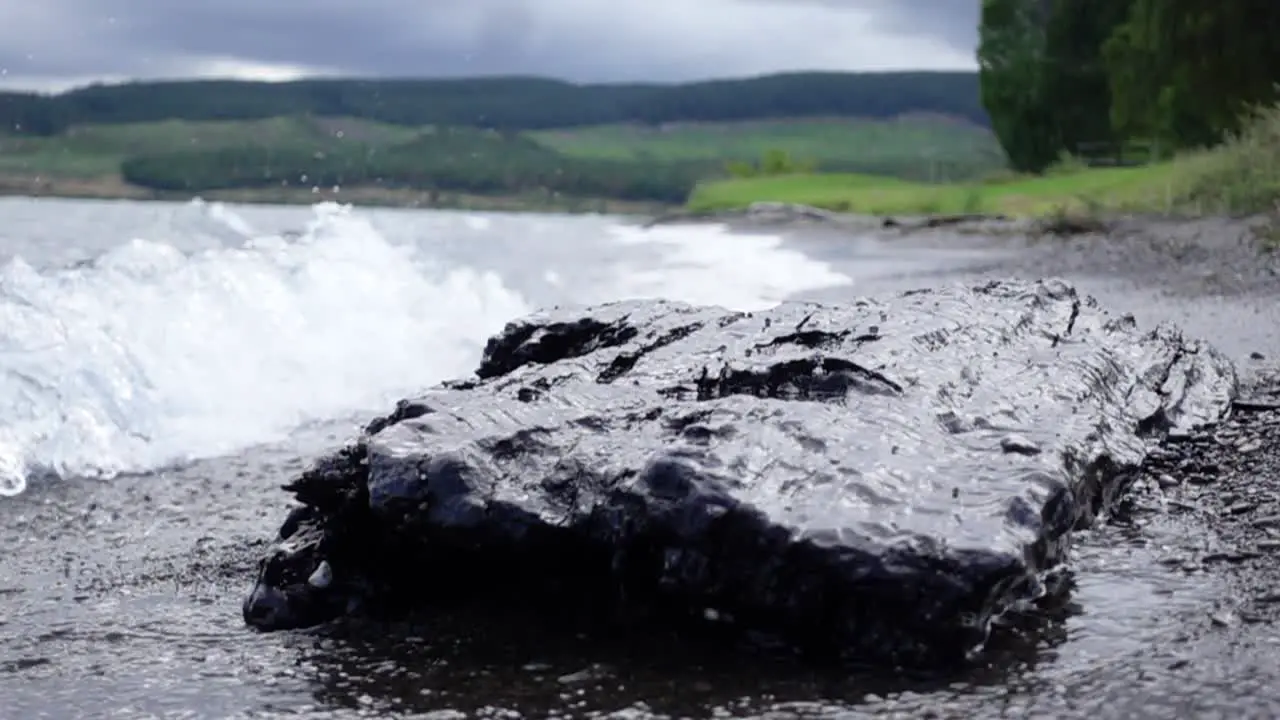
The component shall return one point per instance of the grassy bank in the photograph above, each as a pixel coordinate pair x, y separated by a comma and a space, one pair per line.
874, 195
1240, 175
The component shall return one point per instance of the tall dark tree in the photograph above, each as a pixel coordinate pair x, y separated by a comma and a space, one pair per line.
1077, 83
1042, 77
1012, 72
1186, 70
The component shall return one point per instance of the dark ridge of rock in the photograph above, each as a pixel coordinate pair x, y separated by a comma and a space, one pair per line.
875, 480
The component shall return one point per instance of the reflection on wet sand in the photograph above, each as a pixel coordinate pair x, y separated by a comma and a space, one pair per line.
478, 661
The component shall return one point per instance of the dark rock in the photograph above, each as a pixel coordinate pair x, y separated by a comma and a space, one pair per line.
1064, 224
876, 480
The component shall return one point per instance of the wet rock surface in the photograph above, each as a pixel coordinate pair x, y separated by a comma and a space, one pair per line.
876, 479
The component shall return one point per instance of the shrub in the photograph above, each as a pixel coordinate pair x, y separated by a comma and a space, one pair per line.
1242, 175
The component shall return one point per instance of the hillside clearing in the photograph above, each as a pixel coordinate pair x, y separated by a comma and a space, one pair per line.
922, 147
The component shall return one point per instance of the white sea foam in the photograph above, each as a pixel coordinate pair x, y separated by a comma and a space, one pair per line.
149, 356
707, 264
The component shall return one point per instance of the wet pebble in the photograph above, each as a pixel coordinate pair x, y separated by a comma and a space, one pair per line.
1224, 619
586, 675
1019, 445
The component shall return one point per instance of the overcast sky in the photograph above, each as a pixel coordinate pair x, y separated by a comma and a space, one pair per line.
54, 44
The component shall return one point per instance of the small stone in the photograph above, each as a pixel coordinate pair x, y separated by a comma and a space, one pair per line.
1167, 481
1230, 556
322, 577
1018, 444
1249, 446
592, 673
1223, 619
1268, 545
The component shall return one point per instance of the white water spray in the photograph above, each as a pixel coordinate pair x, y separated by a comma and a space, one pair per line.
149, 356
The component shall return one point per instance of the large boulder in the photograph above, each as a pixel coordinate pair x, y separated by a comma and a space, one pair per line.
878, 479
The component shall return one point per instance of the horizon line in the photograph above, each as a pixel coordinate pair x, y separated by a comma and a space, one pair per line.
326, 78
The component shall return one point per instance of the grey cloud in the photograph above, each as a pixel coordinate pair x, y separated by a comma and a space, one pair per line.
587, 40
955, 22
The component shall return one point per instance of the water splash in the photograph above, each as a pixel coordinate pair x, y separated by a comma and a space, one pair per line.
147, 355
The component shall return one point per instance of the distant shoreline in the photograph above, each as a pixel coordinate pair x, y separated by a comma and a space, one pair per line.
113, 188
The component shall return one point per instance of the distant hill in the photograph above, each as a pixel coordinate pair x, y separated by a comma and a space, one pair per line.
503, 103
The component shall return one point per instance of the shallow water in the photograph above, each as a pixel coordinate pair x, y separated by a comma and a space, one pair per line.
230, 345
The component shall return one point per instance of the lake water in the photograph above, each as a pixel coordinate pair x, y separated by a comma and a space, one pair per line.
165, 367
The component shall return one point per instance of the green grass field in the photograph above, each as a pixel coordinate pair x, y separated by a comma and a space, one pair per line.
1152, 186
923, 147
921, 142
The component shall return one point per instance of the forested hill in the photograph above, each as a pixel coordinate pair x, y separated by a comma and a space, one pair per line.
506, 103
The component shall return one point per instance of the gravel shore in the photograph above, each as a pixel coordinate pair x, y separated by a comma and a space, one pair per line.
1226, 480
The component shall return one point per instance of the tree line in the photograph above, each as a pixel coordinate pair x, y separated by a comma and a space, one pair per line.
504, 103
449, 159
1055, 75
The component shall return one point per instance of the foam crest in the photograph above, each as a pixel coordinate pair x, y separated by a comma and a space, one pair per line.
709, 265
149, 356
